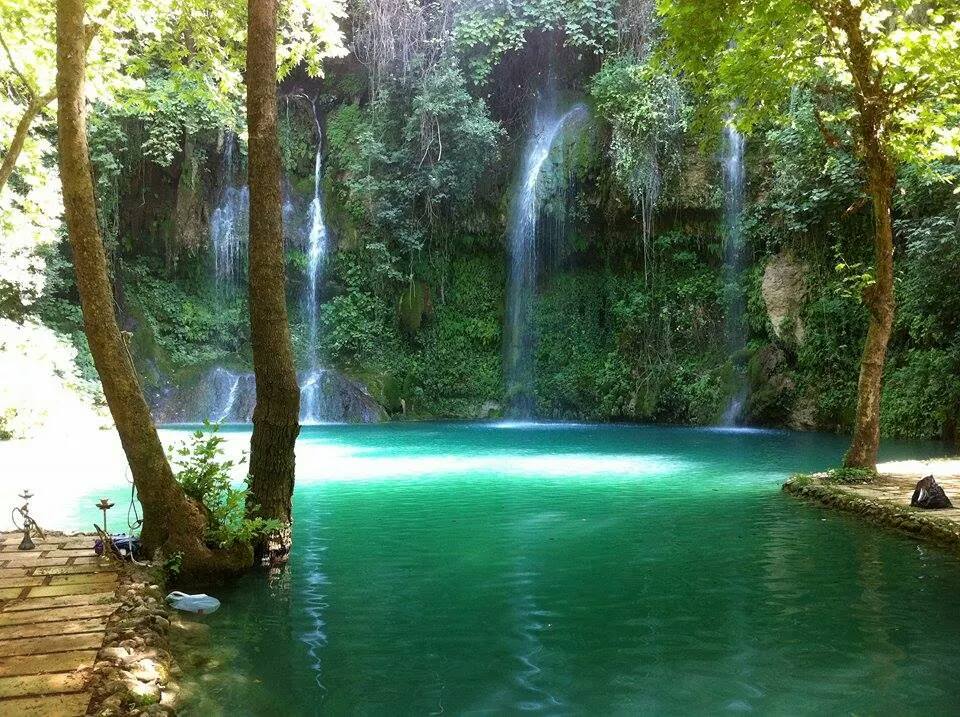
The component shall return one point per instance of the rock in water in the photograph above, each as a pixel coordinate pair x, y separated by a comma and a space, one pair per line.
929, 494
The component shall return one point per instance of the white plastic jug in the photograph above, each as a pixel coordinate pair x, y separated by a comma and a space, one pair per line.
200, 604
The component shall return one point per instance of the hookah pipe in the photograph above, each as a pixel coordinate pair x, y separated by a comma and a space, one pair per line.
28, 522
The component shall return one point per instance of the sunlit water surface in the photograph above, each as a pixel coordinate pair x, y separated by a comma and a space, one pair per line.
471, 568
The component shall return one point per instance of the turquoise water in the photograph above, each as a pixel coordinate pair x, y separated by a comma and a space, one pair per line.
614, 570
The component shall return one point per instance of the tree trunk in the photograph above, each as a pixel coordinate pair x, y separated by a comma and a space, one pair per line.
873, 108
276, 416
880, 302
172, 522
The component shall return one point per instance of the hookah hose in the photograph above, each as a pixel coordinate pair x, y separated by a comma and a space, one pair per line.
137, 521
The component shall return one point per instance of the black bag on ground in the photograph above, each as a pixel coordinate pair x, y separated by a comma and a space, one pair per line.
929, 494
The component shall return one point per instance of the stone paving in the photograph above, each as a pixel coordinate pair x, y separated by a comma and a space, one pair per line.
898, 488
54, 604
886, 500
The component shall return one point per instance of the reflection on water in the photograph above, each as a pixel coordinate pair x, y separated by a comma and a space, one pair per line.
450, 569
313, 601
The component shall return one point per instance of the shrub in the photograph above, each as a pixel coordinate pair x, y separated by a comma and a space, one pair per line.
206, 478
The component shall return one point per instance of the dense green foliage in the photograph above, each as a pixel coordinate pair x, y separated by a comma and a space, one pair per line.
423, 127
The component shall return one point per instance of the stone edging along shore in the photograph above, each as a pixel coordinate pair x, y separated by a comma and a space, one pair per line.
133, 670
943, 530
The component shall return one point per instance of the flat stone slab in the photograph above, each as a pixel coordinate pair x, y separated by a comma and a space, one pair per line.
39, 664
54, 604
77, 612
82, 579
74, 569
52, 643
83, 588
23, 581
58, 601
42, 629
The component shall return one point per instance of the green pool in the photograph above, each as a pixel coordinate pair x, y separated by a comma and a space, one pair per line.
603, 570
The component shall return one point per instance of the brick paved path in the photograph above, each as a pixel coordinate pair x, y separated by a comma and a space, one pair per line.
54, 605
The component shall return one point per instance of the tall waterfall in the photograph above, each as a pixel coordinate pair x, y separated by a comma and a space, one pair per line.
229, 222
733, 202
522, 280
312, 387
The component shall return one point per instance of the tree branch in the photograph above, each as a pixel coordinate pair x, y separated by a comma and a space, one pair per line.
35, 104
828, 136
31, 90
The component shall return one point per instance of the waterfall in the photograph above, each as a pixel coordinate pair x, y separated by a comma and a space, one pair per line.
225, 404
522, 245
223, 395
316, 252
733, 201
316, 263
229, 220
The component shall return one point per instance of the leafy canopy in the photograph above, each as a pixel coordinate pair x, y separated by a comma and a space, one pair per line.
755, 52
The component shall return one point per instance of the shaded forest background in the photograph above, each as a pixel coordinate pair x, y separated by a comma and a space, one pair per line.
421, 141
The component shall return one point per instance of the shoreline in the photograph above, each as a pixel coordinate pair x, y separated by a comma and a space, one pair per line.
885, 502
135, 669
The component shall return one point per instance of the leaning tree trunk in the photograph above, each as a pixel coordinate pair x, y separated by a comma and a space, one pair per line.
879, 299
34, 107
276, 416
171, 522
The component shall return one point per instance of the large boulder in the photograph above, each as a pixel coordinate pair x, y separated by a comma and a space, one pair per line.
784, 290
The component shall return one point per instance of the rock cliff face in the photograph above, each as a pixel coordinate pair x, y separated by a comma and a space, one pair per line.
191, 220
784, 290
226, 396
775, 398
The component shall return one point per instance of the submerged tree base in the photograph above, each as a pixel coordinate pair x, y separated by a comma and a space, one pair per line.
885, 500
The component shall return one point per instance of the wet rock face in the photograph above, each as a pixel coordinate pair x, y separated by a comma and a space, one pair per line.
929, 494
784, 290
326, 396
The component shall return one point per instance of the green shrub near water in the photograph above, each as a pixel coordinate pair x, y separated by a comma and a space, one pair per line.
205, 477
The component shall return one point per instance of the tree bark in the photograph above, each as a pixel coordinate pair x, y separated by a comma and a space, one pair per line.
879, 298
276, 416
171, 522
873, 108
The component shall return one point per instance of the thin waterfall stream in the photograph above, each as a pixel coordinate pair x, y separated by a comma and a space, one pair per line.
522, 247
226, 395
229, 219
313, 385
733, 202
